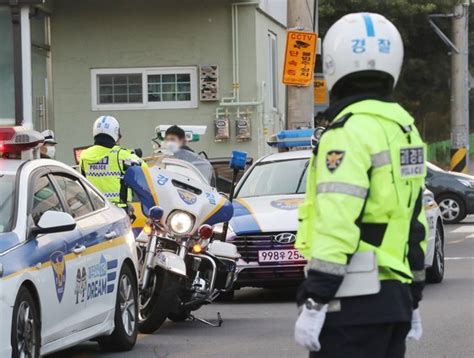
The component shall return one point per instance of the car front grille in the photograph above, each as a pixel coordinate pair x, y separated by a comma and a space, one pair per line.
249, 245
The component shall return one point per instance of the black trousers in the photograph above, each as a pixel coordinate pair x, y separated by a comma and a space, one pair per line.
385, 340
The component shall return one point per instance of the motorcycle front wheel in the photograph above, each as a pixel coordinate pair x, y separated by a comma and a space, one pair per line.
158, 300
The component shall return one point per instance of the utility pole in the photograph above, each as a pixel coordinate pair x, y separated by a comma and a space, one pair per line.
460, 81
460, 89
300, 99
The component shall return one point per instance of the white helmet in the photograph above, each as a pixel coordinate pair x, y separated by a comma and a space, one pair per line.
49, 137
362, 42
107, 125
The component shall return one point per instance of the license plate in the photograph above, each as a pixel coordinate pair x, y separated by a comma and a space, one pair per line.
292, 255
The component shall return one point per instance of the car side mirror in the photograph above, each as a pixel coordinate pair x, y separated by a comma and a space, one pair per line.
54, 221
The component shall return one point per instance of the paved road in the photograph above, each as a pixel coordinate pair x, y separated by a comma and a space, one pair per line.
259, 323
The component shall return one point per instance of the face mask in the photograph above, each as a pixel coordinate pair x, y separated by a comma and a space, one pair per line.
51, 151
171, 146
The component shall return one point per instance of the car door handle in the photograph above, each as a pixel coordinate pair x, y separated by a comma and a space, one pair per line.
111, 235
79, 249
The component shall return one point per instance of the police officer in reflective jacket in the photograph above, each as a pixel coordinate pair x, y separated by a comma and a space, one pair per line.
363, 202
105, 162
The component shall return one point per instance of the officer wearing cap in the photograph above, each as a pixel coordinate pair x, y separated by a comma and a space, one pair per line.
105, 162
48, 149
364, 199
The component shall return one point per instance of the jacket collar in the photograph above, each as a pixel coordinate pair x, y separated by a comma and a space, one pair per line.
371, 104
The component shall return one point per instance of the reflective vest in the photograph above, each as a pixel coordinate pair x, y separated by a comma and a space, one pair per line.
104, 167
364, 192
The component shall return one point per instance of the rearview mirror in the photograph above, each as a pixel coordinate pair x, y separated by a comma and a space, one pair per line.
53, 222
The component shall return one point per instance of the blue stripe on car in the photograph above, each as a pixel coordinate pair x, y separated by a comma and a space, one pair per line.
243, 222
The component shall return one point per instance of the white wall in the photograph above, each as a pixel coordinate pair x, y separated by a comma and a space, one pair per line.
276, 9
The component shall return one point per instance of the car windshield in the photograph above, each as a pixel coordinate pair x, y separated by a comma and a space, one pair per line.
7, 193
276, 178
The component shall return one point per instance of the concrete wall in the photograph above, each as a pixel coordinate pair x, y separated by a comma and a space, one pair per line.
271, 120
7, 89
91, 34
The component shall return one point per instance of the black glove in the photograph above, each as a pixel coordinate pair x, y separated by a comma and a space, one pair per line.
416, 289
319, 286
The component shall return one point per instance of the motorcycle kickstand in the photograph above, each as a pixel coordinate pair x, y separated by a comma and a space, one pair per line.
218, 324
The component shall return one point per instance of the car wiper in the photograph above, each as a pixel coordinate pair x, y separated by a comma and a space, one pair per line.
301, 177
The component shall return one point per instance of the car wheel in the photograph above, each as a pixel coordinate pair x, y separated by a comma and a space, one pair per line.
26, 333
124, 336
435, 273
452, 208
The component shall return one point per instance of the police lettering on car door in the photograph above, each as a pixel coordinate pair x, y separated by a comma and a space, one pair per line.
97, 280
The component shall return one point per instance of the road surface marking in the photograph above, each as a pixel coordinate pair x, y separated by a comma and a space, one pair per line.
460, 240
459, 258
463, 229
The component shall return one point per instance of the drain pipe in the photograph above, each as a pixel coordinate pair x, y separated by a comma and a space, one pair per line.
235, 53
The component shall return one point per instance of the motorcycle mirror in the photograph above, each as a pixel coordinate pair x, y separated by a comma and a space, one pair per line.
155, 213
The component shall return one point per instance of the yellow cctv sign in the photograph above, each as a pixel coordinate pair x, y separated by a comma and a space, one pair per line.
300, 57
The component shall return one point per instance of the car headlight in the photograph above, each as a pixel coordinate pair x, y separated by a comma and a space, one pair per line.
180, 222
467, 182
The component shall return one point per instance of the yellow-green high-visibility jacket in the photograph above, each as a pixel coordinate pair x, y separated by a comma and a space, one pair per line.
104, 168
364, 192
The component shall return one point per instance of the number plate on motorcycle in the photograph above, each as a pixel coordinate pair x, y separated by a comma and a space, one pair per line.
267, 256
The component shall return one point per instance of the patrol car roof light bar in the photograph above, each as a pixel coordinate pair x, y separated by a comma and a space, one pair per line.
291, 139
20, 143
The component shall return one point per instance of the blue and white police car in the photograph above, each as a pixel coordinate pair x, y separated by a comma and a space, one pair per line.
67, 257
265, 218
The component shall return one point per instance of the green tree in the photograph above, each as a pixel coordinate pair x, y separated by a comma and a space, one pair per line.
423, 87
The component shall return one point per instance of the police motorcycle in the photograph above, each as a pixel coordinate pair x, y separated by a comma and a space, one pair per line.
182, 267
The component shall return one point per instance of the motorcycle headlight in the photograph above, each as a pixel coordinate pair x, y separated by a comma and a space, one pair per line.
180, 222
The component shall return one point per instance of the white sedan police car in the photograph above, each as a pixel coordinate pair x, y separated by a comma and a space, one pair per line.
266, 219
67, 257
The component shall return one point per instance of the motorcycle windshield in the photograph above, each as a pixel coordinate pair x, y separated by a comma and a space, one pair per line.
201, 164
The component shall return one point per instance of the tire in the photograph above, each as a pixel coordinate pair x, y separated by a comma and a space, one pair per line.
124, 336
452, 207
26, 328
226, 296
435, 273
162, 300
179, 316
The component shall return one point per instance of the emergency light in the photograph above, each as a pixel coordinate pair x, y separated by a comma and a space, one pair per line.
238, 160
292, 138
19, 142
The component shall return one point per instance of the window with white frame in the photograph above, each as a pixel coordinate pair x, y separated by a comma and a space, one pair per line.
144, 88
273, 69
